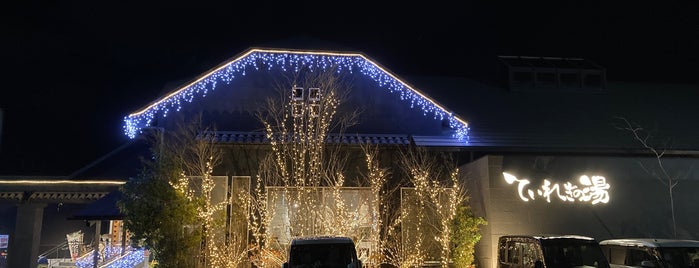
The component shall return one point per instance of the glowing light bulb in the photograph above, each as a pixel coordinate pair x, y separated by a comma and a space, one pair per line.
291, 60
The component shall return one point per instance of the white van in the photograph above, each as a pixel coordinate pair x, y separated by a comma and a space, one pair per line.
549, 251
322, 252
651, 252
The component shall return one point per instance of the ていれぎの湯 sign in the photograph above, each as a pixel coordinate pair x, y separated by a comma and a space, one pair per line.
592, 189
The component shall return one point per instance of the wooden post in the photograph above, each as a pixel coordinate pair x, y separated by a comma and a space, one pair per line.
123, 238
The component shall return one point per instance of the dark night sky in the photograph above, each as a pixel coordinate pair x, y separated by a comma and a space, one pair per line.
74, 69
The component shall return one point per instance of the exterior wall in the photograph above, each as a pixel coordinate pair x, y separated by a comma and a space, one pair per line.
480, 196
638, 204
246, 160
235, 106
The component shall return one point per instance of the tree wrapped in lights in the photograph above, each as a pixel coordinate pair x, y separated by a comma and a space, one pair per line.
383, 216
302, 189
302, 178
434, 212
195, 150
264, 250
184, 163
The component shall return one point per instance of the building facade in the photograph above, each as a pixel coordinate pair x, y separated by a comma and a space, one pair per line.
547, 148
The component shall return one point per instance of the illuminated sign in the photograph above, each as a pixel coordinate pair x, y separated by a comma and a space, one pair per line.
591, 189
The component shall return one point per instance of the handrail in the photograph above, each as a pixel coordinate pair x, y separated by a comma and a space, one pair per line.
54, 249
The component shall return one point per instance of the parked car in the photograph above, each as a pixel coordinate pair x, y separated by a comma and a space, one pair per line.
549, 251
322, 252
651, 252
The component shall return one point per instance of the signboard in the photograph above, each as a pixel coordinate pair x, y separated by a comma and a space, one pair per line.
592, 189
75, 240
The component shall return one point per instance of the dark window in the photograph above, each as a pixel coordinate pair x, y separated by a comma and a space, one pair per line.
314, 110
546, 80
297, 109
634, 257
297, 93
314, 94
522, 77
322, 255
593, 80
570, 80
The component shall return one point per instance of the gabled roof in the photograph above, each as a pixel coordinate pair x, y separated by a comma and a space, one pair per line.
550, 120
290, 60
572, 120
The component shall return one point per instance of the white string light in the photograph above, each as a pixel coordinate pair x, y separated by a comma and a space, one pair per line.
286, 60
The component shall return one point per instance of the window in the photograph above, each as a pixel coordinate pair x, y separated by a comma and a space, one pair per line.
617, 255
297, 109
297, 93
634, 257
528, 254
503, 250
593, 80
314, 110
570, 80
522, 77
314, 94
546, 80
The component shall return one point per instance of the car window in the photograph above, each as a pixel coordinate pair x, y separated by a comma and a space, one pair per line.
680, 257
634, 257
322, 255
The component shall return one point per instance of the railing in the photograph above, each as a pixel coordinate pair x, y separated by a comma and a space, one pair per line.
60, 251
113, 257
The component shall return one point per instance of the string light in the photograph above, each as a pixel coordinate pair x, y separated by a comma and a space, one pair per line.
26, 182
132, 258
287, 60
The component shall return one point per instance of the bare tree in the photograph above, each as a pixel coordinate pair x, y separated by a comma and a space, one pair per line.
659, 171
383, 216
302, 185
194, 147
302, 177
433, 202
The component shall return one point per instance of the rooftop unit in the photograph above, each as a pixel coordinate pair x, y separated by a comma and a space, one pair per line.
526, 73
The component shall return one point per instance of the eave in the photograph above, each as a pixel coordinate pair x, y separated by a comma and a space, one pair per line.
291, 60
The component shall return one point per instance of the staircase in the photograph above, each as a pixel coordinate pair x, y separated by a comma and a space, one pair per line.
56, 257
61, 263
131, 258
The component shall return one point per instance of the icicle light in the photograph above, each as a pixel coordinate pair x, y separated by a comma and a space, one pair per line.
286, 60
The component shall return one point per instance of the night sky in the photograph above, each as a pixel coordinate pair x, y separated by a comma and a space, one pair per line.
74, 69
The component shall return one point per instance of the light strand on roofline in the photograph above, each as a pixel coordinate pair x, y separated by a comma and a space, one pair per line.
290, 61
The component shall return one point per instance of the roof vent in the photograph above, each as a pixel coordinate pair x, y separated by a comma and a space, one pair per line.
549, 73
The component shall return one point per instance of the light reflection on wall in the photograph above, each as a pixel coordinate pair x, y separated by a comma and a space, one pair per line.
593, 189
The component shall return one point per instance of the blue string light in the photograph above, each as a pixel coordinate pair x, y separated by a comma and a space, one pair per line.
286, 61
130, 259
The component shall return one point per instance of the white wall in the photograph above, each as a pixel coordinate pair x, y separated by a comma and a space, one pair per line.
638, 203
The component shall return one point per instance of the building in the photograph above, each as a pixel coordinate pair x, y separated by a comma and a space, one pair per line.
542, 147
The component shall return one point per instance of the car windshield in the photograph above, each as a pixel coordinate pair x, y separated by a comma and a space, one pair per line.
321, 255
567, 253
680, 257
